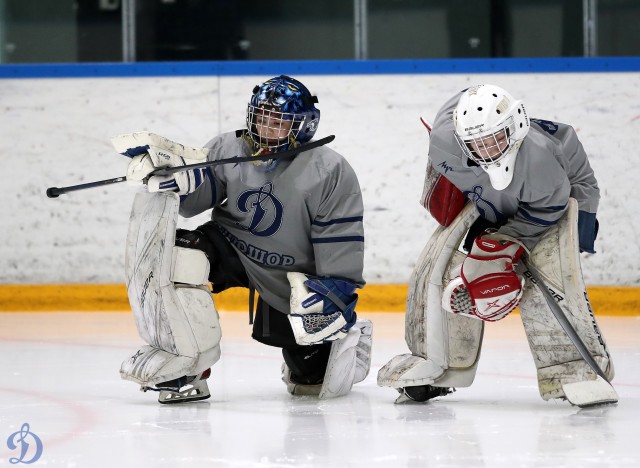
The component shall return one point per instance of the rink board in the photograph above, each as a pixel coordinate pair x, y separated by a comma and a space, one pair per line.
606, 300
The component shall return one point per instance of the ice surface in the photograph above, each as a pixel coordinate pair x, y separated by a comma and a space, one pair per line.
60, 375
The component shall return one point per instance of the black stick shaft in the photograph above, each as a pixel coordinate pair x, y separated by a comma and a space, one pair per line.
164, 171
53, 192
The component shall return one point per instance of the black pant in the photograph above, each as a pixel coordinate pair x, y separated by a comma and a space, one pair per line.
270, 326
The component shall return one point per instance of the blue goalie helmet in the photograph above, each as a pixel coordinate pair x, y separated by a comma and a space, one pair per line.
281, 113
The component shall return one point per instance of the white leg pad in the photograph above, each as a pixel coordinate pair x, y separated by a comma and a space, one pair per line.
444, 347
349, 363
407, 370
341, 368
590, 392
169, 296
149, 365
556, 257
363, 350
576, 382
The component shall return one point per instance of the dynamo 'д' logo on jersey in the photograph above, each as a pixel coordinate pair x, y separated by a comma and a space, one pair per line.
265, 208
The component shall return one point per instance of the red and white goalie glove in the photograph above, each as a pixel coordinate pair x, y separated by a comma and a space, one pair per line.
488, 287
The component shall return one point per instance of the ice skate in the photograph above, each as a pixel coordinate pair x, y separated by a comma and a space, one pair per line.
422, 393
182, 390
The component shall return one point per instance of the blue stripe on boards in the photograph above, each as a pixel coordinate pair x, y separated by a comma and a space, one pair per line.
354, 219
330, 240
323, 67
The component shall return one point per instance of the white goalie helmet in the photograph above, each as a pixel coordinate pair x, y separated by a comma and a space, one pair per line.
490, 126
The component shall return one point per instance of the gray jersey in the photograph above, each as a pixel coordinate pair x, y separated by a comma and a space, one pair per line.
302, 214
551, 166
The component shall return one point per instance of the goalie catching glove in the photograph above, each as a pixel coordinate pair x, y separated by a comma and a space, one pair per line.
488, 287
321, 309
149, 152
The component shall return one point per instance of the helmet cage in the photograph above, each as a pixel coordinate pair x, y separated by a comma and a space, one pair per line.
272, 130
489, 148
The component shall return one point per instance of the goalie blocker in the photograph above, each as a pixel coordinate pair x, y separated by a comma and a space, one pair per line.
445, 348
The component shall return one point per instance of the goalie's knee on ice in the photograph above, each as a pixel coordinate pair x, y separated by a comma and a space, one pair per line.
345, 362
307, 363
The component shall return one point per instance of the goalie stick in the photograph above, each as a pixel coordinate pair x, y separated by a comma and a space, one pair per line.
565, 324
54, 192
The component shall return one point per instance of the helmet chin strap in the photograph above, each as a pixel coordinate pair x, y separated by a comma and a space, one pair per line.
258, 150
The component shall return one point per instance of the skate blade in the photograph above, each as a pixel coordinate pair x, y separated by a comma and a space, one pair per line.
197, 392
589, 393
174, 400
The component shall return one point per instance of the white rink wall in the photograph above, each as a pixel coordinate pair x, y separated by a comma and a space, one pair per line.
55, 132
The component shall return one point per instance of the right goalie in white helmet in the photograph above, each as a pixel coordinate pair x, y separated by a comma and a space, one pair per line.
533, 191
